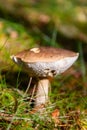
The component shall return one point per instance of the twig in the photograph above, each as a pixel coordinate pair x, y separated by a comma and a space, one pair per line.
8, 117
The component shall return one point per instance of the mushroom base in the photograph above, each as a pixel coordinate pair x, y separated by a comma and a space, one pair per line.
42, 92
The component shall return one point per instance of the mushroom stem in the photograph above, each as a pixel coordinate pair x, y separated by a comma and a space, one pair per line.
42, 92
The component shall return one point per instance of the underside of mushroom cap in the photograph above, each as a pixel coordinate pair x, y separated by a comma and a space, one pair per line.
45, 61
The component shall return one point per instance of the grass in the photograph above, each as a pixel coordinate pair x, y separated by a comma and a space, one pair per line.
67, 98
68, 107
16, 112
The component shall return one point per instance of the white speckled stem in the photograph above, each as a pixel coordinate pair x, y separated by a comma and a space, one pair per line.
42, 92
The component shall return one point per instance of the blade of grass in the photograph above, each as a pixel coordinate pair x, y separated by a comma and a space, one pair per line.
14, 116
83, 67
82, 62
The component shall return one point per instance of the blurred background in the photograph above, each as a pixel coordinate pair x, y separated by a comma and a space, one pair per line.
58, 23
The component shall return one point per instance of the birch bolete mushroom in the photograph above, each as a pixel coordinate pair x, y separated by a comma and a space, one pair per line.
44, 63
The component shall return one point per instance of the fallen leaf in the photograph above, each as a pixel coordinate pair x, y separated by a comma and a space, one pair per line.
55, 115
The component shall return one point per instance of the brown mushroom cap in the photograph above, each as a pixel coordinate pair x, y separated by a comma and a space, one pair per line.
45, 61
44, 54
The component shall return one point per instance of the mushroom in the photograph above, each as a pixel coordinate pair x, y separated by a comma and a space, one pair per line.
44, 63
